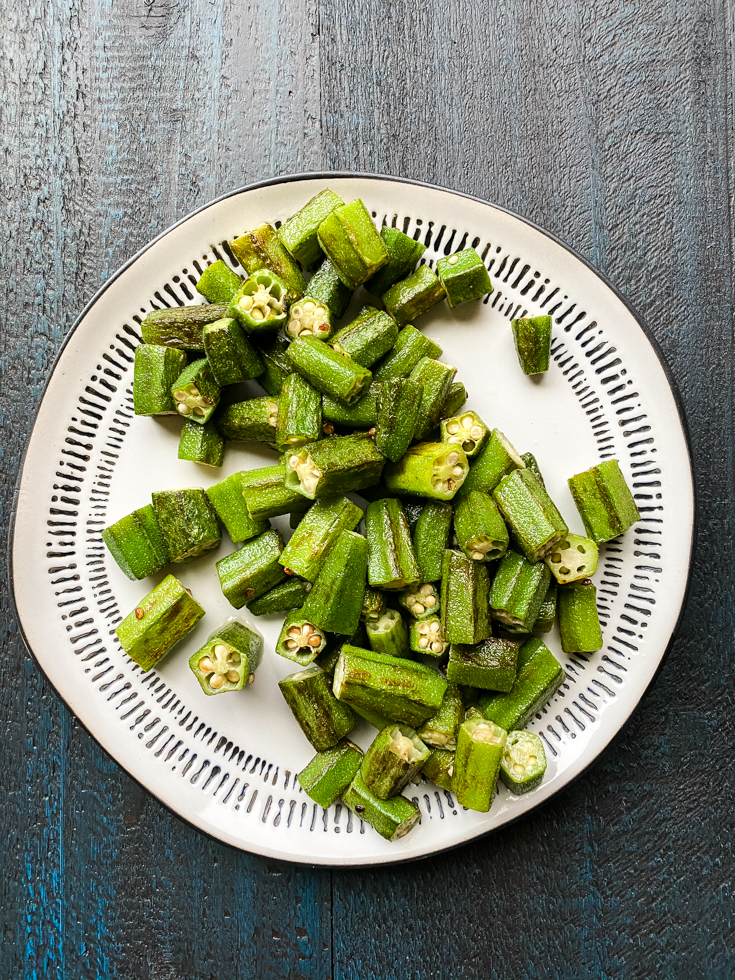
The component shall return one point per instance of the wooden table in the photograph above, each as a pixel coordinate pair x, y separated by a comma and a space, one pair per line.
608, 124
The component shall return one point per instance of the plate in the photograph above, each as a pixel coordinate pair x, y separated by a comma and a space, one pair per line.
229, 765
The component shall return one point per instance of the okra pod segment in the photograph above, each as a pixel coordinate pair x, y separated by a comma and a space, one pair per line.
137, 544
218, 283
394, 758
182, 326
329, 371
523, 764
266, 494
299, 414
229, 658
480, 746
392, 819
351, 241
604, 501
330, 772
326, 287
495, 461
531, 462
428, 469
317, 533
159, 621
440, 731
195, 392
491, 665
252, 570
300, 640
332, 466
414, 295
254, 420
399, 406
387, 634
547, 613
434, 379
463, 276
410, 347
368, 337
579, 624
156, 369
309, 318
362, 414
572, 559
467, 431
187, 521
276, 361
290, 594
403, 254
464, 599
420, 599
480, 530
229, 505
540, 675
230, 354
430, 538
262, 249
518, 590
392, 561
322, 718
439, 768
532, 517
373, 605
201, 443
456, 397
532, 338
261, 303
335, 602
426, 636
299, 233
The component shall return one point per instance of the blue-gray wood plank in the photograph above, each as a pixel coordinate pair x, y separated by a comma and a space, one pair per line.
608, 123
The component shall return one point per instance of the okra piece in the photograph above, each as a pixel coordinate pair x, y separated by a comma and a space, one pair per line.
403, 254
426, 636
362, 414
373, 606
399, 406
532, 517
326, 287
162, 618
254, 420
277, 364
480, 746
434, 378
262, 249
218, 283
491, 665
332, 466
230, 354
392, 819
261, 303
456, 397
480, 530
428, 469
317, 533
413, 295
524, 762
156, 369
496, 460
266, 494
323, 719
201, 443
439, 768
351, 241
252, 570
540, 675
329, 656
370, 335
412, 510
335, 602
464, 609
604, 501
229, 658
547, 613
290, 594
373, 718
229, 504
518, 590
137, 544
392, 560
309, 318
410, 347
299, 233
300, 640
187, 521
327, 370
195, 392
530, 461
394, 758
572, 559
430, 538
182, 326
400, 689
463, 276
579, 624
330, 772
421, 600
440, 731
299, 414
387, 634
466, 430
532, 337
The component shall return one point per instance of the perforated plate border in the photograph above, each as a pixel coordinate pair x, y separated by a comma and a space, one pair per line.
521, 281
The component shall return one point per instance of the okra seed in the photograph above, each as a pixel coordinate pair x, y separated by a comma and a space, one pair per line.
437, 647
478, 555
315, 640
216, 681
294, 631
232, 676
307, 629
251, 678
180, 395
257, 314
418, 609
476, 432
221, 650
291, 644
452, 459
183, 409
198, 411
430, 601
434, 627
453, 260
457, 471
288, 571
309, 306
246, 303
424, 642
139, 613
206, 665
293, 462
426, 589
453, 428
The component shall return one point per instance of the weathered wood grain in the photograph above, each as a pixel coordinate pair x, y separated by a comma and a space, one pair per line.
609, 124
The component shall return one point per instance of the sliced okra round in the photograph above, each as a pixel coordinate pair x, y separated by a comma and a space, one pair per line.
572, 559
220, 668
420, 600
309, 318
524, 762
466, 430
427, 637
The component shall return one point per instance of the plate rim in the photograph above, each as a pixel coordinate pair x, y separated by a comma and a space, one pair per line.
365, 175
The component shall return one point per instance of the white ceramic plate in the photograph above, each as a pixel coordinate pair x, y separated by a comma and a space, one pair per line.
228, 764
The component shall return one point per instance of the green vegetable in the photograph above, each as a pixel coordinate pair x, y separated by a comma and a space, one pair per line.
403, 254
524, 762
156, 369
464, 609
387, 634
393, 760
299, 414
373, 605
463, 276
230, 354
309, 318
201, 443
327, 370
547, 612
326, 287
330, 772
187, 521
299, 233
352, 243
414, 295
410, 347
491, 665
480, 746
532, 518
323, 719
430, 538
532, 337
368, 337
439, 767
373, 718
252, 570
195, 392
267, 495
540, 675
362, 414
229, 504
300, 639
261, 303
254, 420
158, 622
421, 600
579, 624
428, 469
467, 431
434, 378
496, 460
529, 460
440, 731
276, 361
480, 530
332, 466
218, 283
316, 534
392, 819
392, 561
181, 326
136, 543
572, 559
261, 248
229, 659
290, 594
604, 501
335, 602
518, 590
399, 405
456, 397
425, 636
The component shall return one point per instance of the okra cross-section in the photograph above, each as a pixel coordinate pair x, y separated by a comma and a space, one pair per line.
300, 640
316, 534
464, 608
531, 515
467, 431
392, 560
421, 600
195, 392
387, 634
351, 241
252, 570
254, 420
156, 369
532, 337
330, 772
137, 544
495, 461
299, 233
392, 819
572, 559
339, 464
604, 501
261, 303
309, 318
394, 758
328, 370
579, 624
323, 719
187, 521
159, 621
335, 602
414, 295
540, 675
229, 658
523, 764
299, 414
480, 530
403, 254
491, 665
408, 350
425, 636
368, 337
480, 746
517, 591
261, 249
463, 276
428, 469
440, 731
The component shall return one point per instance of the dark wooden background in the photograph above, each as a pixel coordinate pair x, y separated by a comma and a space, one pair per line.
610, 124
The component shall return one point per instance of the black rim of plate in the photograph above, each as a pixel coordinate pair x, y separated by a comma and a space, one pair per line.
327, 175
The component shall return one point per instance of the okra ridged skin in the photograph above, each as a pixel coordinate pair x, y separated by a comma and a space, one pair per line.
300, 639
428, 469
604, 501
523, 764
410, 347
370, 335
399, 405
195, 392
392, 561
531, 463
182, 326
440, 731
547, 613
299, 414
337, 465
187, 521
229, 505
532, 517
434, 378
540, 675
156, 369
456, 397
159, 621
491, 665
299, 233
261, 248
480, 530
463, 276
392, 819
252, 570
579, 624
266, 494
218, 283
362, 414
330, 772
387, 634
231, 355
397, 688
277, 364
496, 460
439, 768
532, 338
326, 287
464, 599
228, 660
290, 594
414, 295
351, 241
430, 538
373, 718
137, 544
316, 534
201, 443
335, 602
394, 758
518, 590
373, 605
573, 559
322, 718
329, 371
480, 746
403, 254
425, 636
254, 420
